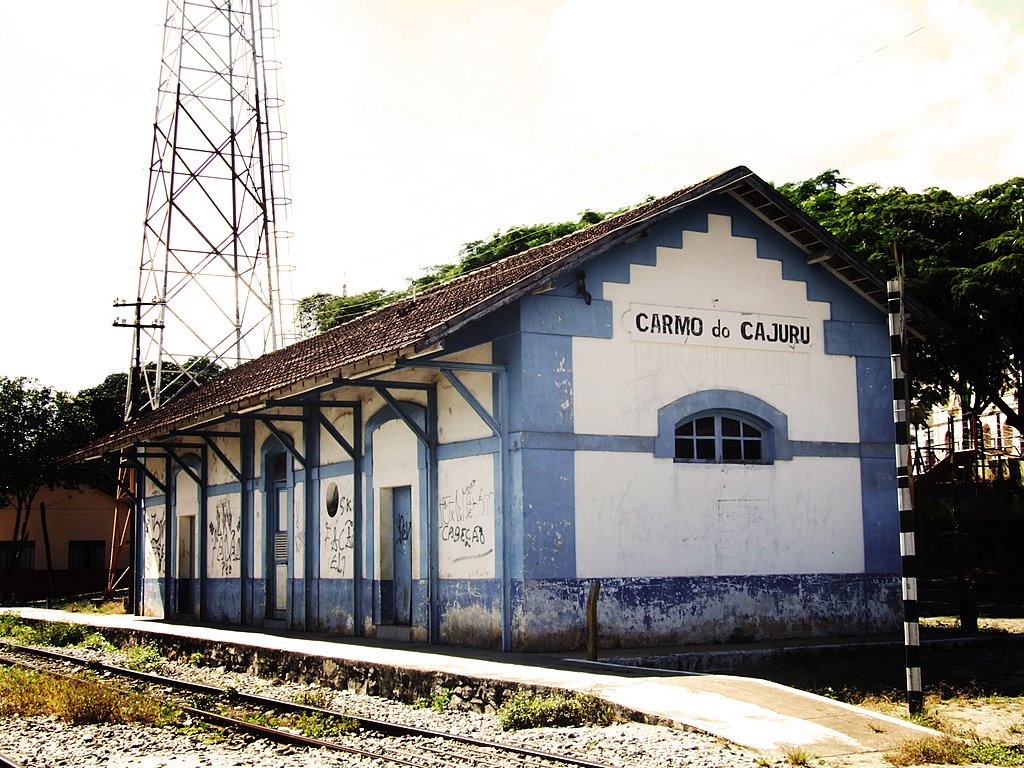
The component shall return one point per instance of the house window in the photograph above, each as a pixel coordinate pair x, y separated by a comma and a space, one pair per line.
7, 552
85, 555
720, 438
722, 426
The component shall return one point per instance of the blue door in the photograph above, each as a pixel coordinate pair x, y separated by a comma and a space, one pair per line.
277, 576
401, 511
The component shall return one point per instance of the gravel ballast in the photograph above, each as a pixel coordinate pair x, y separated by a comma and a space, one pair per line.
45, 741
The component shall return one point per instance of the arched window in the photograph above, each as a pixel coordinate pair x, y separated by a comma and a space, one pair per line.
722, 426
722, 438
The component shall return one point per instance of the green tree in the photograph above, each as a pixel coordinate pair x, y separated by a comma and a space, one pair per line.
105, 403
39, 426
323, 311
963, 257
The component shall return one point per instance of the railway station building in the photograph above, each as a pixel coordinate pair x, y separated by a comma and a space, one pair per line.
689, 402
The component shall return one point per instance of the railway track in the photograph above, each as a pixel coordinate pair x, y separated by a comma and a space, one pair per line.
274, 719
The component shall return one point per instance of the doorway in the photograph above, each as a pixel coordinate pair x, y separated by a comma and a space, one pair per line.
277, 536
401, 553
186, 566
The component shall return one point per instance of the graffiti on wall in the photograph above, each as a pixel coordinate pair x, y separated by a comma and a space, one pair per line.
465, 520
155, 536
224, 539
338, 530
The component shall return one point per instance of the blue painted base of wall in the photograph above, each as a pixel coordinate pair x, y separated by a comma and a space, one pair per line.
551, 614
222, 603
470, 612
335, 606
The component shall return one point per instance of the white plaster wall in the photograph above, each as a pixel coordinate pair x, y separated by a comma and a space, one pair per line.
223, 536
154, 539
457, 420
217, 473
157, 467
466, 518
621, 382
341, 418
394, 464
336, 542
647, 518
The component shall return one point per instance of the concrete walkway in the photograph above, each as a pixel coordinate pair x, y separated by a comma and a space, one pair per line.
754, 713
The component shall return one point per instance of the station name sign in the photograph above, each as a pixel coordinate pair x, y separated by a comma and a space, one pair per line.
717, 328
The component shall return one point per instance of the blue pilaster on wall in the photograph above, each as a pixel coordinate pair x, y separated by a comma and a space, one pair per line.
546, 383
549, 538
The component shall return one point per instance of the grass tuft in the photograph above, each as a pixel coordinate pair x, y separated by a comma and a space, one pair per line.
315, 697
59, 634
528, 710
142, 658
317, 725
948, 750
27, 693
438, 701
797, 756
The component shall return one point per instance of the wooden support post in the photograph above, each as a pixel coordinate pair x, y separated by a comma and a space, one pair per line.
595, 590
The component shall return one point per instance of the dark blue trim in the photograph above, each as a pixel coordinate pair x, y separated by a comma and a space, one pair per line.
855, 338
340, 469
311, 501
467, 448
223, 489
881, 514
545, 383
566, 316
825, 449
874, 401
549, 441
548, 514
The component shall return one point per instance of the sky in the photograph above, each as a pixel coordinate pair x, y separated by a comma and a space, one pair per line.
415, 126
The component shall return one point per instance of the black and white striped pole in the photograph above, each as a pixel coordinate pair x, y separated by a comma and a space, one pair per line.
908, 555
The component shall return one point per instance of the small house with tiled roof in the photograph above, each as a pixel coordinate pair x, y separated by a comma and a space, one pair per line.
689, 402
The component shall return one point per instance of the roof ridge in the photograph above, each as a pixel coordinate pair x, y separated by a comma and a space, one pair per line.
432, 314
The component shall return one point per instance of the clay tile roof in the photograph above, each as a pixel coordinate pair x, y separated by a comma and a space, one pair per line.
416, 323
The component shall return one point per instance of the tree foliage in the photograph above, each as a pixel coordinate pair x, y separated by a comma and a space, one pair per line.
963, 257
39, 426
323, 311
105, 403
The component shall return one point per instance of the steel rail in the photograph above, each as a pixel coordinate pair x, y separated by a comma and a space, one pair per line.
263, 731
7, 762
380, 726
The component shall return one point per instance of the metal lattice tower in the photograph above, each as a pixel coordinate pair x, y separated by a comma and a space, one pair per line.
210, 275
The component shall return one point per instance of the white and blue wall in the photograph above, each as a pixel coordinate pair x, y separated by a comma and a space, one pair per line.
805, 544
474, 495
